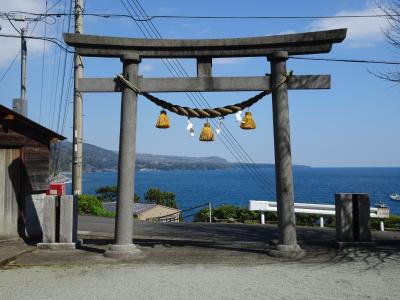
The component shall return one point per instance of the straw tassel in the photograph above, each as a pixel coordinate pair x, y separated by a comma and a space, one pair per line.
206, 134
163, 120
248, 122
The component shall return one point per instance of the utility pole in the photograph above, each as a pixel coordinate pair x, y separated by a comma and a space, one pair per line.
77, 153
21, 105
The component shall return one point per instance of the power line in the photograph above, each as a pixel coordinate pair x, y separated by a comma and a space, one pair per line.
10, 66
364, 61
39, 16
47, 39
177, 70
60, 43
64, 68
57, 77
42, 80
59, 121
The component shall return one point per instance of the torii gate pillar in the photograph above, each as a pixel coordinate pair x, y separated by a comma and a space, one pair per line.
123, 246
287, 246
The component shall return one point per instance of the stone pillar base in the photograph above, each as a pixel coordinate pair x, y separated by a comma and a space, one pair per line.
124, 252
57, 246
287, 251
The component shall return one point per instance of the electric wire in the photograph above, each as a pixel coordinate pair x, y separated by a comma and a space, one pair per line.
199, 98
175, 73
348, 60
178, 71
64, 47
61, 44
10, 66
233, 143
43, 67
15, 28
63, 72
53, 78
58, 75
138, 18
53, 40
60, 120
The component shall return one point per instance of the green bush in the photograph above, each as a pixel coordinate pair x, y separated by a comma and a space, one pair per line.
89, 204
92, 205
227, 212
242, 214
391, 222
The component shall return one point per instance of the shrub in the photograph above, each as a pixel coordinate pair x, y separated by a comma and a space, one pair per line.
92, 205
242, 214
391, 222
226, 212
89, 204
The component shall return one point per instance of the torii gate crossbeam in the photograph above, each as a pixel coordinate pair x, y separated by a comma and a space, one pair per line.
275, 48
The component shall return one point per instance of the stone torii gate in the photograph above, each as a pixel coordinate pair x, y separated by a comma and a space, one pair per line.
275, 48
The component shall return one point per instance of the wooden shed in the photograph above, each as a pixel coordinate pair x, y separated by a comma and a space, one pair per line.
24, 174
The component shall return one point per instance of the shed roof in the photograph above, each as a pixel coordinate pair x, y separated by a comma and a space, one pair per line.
10, 115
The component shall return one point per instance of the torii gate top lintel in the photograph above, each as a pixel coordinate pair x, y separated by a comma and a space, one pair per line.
204, 50
294, 44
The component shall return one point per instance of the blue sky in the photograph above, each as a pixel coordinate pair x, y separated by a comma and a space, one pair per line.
355, 123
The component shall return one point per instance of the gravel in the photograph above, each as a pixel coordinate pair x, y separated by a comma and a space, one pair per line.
365, 279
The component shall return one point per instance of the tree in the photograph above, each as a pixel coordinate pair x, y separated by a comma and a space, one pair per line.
391, 8
136, 199
154, 195
109, 193
169, 199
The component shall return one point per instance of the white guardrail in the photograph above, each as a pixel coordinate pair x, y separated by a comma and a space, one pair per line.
316, 209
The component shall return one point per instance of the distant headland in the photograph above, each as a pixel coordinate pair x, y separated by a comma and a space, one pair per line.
97, 159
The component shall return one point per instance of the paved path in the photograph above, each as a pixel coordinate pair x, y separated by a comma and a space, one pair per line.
206, 261
222, 232
279, 280
11, 249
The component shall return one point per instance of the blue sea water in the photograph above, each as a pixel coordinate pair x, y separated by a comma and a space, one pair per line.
235, 186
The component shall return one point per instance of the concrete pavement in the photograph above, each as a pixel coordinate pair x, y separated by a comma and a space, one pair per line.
11, 249
205, 261
203, 243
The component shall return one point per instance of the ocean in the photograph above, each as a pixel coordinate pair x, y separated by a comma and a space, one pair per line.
236, 186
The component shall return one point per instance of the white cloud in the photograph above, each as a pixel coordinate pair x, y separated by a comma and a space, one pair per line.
362, 32
9, 47
229, 60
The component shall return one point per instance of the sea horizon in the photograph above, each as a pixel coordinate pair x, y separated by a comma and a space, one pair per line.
311, 185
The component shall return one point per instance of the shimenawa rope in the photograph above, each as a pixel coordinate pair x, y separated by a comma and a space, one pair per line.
206, 112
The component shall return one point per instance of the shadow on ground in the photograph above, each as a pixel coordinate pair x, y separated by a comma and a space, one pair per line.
203, 243
241, 243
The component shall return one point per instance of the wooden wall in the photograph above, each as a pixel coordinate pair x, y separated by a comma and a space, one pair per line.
10, 192
35, 153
